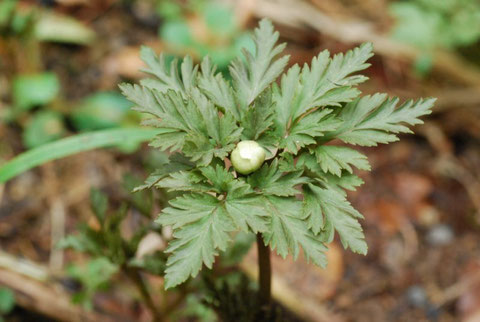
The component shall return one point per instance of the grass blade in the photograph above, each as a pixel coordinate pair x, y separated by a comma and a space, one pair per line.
72, 145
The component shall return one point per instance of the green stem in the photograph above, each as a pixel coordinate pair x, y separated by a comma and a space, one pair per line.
265, 273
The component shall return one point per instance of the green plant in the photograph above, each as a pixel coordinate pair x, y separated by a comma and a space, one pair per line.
7, 302
42, 25
101, 110
202, 28
111, 251
433, 24
35, 94
94, 277
306, 125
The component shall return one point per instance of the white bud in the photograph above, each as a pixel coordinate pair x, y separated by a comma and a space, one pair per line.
247, 157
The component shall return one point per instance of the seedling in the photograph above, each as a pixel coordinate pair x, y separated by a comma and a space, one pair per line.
306, 125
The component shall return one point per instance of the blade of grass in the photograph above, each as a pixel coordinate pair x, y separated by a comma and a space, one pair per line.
72, 145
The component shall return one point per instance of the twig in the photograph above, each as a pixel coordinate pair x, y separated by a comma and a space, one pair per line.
449, 165
2, 189
456, 290
23, 267
46, 298
57, 217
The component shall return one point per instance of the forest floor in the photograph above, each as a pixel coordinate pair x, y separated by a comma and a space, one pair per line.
422, 220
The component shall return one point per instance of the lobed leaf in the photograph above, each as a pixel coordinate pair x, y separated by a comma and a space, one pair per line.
334, 159
309, 128
167, 76
377, 119
259, 70
327, 211
327, 82
201, 228
217, 89
287, 231
270, 180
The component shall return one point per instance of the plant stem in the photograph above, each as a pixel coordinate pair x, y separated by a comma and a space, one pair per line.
136, 278
265, 273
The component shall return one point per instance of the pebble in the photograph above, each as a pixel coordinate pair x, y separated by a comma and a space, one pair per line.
440, 235
417, 296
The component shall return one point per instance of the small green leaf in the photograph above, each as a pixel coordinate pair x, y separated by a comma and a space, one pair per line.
7, 9
94, 277
7, 300
101, 111
54, 27
193, 125
152, 263
248, 213
44, 127
219, 18
30, 90
175, 162
86, 240
99, 204
176, 33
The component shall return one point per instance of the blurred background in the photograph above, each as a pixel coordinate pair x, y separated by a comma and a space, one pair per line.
60, 63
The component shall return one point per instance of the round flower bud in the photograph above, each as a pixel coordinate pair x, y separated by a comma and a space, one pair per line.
247, 157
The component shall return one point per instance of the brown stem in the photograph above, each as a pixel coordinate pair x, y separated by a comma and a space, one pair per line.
265, 273
136, 278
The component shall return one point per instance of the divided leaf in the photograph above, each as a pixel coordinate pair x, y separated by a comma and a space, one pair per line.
248, 213
334, 159
166, 75
327, 211
217, 89
192, 125
377, 119
327, 82
310, 127
252, 76
258, 118
270, 180
287, 231
201, 228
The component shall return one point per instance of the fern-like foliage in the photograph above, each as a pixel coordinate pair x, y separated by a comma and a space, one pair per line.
201, 117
